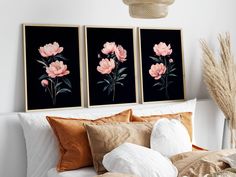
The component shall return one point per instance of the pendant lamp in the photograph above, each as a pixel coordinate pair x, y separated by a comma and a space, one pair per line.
148, 8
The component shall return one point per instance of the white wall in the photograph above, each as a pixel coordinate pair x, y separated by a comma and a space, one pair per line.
198, 19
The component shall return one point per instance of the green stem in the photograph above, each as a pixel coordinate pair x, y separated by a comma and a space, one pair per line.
51, 95
55, 92
52, 92
114, 81
166, 88
114, 91
166, 79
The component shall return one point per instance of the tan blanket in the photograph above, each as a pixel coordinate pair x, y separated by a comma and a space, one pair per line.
196, 164
108, 174
228, 172
200, 163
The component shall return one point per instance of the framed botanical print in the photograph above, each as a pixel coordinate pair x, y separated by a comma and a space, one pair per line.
162, 72
52, 66
110, 65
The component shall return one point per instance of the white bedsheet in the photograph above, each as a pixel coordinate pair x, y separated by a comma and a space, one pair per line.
82, 172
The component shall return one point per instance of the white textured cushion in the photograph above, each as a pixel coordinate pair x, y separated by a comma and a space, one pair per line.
138, 160
167, 108
170, 137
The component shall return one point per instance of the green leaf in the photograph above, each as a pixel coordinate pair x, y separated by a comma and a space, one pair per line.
157, 84
172, 70
45, 61
64, 90
51, 59
155, 59
41, 62
60, 56
119, 83
171, 65
162, 88
109, 77
110, 89
105, 88
163, 79
174, 75
100, 82
123, 75
44, 76
58, 84
119, 79
107, 81
50, 79
121, 70
67, 82
170, 82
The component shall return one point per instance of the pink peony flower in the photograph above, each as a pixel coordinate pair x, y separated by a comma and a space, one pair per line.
171, 60
44, 83
106, 66
121, 53
57, 69
162, 49
109, 47
157, 70
50, 50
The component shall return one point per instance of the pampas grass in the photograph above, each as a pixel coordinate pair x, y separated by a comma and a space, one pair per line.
220, 77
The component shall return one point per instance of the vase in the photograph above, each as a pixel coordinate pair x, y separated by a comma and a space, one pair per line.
226, 139
148, 8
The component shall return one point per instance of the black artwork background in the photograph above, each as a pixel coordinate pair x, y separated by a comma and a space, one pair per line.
148, 38
96, 37
67, 37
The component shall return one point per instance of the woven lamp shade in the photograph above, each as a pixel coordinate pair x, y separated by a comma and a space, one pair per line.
148, 8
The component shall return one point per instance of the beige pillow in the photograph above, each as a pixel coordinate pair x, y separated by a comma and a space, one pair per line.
104, 138
72, 137
185, 117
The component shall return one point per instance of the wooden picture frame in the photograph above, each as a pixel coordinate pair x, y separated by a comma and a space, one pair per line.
52, 67
110, 63
161, 64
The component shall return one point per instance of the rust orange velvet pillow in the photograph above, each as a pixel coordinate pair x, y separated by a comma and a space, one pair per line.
185, 117
73, 141
197, 148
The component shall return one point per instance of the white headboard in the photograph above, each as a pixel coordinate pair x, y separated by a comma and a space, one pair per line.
208, 127
12, 147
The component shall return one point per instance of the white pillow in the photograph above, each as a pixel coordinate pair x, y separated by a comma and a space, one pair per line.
41, 143
138, 160
170, 137
168, 108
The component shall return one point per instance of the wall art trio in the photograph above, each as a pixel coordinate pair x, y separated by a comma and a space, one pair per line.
53, 66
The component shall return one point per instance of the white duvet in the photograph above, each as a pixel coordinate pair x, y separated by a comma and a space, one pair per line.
82, 172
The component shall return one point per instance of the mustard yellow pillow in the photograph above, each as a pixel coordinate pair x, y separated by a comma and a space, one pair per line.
73, 141
104, 138
185, 117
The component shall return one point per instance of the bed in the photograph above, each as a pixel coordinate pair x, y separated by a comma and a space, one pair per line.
85, 172
12, 137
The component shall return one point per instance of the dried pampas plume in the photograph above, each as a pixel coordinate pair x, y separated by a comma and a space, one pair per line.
220, 78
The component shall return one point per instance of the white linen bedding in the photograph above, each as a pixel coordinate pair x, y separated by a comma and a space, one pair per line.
82, 172
42, 147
